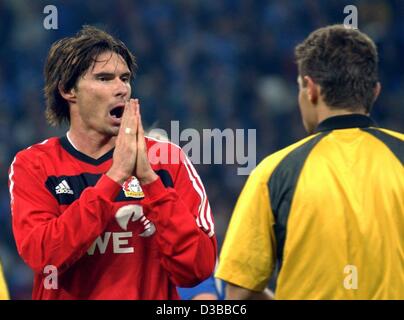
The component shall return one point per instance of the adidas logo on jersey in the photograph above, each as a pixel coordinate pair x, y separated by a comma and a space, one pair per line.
63, 187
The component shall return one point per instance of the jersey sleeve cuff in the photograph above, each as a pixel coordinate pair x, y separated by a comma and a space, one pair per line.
108, 187
154, 189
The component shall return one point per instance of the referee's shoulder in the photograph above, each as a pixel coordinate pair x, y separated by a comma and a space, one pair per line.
265, 168
395, 134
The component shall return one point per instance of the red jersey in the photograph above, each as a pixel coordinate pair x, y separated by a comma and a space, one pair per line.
108, 241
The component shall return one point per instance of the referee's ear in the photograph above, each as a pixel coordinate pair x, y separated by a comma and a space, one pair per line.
376, 91
69, 96
313, 89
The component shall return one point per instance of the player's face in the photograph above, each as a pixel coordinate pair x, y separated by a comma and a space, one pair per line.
307, 109
101, 94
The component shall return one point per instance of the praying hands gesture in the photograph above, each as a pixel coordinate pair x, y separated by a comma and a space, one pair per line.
130, 154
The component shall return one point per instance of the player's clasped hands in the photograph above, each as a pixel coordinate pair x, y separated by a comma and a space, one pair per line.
130, 154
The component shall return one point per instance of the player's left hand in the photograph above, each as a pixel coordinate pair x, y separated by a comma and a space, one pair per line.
143, 170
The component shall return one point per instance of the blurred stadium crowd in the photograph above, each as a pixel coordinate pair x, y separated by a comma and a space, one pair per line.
206, 63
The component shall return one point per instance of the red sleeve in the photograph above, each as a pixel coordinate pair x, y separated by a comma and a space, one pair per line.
184, 223
44, 236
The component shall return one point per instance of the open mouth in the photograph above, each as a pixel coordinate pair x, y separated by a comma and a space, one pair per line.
117, 112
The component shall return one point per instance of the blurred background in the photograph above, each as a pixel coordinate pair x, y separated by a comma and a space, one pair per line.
205, 63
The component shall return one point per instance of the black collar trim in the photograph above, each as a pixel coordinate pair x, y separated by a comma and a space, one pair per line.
83, 157
346, 122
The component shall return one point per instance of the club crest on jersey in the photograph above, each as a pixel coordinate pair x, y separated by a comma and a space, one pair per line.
132, 189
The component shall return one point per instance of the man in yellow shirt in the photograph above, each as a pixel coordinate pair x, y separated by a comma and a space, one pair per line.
327, 213
3, 287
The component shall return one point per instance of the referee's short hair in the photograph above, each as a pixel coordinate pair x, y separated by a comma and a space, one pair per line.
344, 62
68, 59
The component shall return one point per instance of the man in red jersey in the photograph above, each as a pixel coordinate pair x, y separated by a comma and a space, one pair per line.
93, 215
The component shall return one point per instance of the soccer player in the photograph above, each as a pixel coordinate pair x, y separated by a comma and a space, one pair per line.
3, 286
105, 212
327, 211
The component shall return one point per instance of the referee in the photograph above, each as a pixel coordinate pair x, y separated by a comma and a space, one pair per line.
326, 214
3, 287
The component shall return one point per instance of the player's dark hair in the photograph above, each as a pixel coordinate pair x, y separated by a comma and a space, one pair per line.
68, 59
344, 62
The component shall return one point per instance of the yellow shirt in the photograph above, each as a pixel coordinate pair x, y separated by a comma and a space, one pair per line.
328, 211
3, 287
